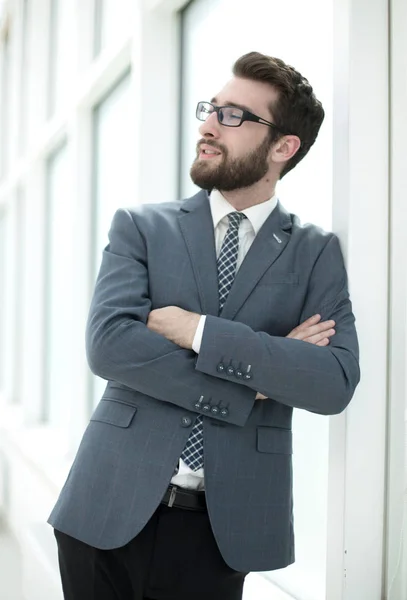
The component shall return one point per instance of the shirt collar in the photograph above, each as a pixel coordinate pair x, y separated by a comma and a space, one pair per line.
257, 215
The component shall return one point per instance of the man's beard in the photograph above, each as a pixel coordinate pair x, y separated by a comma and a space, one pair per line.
231, 174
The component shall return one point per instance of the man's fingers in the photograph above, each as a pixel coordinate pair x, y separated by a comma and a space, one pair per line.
315, 339
308, 323
323, 342
301, 333
311, 321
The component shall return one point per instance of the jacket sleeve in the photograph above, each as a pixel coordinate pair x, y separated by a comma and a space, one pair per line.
121, 348
293, 372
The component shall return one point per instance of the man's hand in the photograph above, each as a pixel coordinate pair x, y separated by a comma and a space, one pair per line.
313, 332
175, 324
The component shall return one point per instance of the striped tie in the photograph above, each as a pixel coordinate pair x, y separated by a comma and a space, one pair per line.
193, 454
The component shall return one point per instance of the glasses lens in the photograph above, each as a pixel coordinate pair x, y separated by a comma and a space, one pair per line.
203, 110
231, 116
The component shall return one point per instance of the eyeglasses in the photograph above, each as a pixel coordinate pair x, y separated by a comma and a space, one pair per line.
231, 116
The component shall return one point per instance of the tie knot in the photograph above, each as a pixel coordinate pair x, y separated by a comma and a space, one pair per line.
235, 218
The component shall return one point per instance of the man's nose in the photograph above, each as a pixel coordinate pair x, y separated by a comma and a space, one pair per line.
210, 127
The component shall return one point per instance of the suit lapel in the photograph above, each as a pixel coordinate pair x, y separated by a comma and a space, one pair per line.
266, 248
195, 221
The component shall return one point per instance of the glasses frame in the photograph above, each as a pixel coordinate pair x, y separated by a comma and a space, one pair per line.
246, 116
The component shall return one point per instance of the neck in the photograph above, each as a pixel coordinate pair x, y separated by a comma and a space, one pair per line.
250, 196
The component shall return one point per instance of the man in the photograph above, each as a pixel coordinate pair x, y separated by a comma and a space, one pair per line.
211, 320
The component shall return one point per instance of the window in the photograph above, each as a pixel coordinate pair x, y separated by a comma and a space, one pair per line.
59, 293
19, 241
60, 54
3, 314
112, 18
10, 271
264, 28
114, 159
10, 298
23, 78
5, 105
40, 47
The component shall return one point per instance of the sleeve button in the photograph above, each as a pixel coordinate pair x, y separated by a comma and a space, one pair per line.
214, 410
248, 376
230, 371
206, 407
239, 373
224, 412
221, 368
198, 404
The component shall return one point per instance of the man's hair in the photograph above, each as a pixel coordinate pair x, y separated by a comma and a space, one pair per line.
297, 111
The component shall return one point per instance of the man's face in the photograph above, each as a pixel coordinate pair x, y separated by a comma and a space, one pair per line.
230, 158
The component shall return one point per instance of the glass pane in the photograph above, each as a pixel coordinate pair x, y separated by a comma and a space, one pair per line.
203, 78
19, 291
59, 321
23, 78
5, 60
114, 161
8, 296
112, 21
60, 54
3, 316
307, 191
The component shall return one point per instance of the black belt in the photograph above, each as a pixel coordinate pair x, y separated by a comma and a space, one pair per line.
184, 498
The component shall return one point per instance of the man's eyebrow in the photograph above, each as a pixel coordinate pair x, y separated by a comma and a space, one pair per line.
227, 103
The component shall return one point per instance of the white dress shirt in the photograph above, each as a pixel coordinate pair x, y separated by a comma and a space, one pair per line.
249, 228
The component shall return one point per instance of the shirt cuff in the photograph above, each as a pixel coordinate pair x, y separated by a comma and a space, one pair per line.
196, 344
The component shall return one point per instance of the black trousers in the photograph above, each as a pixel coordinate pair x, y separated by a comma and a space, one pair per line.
175, 557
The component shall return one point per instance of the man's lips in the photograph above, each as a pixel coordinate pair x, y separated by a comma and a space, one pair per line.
206, 151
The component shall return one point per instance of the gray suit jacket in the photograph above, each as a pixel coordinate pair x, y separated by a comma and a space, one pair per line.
164, 254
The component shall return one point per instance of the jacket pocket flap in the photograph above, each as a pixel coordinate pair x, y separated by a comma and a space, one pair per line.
273, 278
274, 440
114, 412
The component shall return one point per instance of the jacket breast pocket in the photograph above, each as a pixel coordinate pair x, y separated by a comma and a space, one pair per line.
274, 440
114, 412
274, 278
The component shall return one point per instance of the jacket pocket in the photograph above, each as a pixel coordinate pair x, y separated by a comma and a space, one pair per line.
114, 412
279, 278
274, 440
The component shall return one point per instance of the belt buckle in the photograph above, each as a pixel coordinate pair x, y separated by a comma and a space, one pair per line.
172, 496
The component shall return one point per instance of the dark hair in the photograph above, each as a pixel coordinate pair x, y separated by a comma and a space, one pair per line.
297, 110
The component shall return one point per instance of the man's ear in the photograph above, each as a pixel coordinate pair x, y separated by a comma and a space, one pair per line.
285, 148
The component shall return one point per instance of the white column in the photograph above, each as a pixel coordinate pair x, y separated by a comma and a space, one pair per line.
396, 538
361, 216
